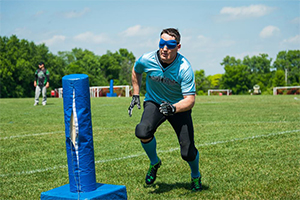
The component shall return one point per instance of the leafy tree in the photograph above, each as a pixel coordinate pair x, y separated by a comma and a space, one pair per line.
279, 79
231, 61
19, 59
236, 77
202, 83
289, 61
259, 68
100, 69
240, 76
258, 64
126, 61
110, 66
215, 80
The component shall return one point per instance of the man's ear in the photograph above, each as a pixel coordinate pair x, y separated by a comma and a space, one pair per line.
178, 47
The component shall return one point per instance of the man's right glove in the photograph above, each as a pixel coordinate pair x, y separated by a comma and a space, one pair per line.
135, 101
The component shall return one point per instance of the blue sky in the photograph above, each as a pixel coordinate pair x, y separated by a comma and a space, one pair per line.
210, 30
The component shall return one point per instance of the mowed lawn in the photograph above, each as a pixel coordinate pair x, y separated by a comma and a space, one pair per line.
249, 149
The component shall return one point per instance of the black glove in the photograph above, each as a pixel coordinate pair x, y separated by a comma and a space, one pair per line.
135, 101
167, 109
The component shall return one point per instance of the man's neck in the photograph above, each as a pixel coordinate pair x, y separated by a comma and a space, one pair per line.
165, 65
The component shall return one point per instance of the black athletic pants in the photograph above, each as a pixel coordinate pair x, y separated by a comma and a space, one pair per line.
181, 122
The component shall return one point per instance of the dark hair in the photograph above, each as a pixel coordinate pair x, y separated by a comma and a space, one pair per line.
172, 32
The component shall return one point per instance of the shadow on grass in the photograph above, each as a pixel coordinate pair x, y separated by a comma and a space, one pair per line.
160, 188
50, 104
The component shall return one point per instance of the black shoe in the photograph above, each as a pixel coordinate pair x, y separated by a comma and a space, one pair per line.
151, 174
196, 184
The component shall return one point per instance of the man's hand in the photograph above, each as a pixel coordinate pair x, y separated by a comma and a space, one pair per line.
167, 109
135, 101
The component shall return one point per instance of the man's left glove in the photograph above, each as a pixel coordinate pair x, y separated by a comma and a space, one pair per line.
135, 101
167, 109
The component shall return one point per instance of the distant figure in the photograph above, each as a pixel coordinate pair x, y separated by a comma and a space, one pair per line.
41, 83
170, 95
256, 90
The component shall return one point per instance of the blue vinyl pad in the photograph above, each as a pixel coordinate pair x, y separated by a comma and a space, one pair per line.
103, 191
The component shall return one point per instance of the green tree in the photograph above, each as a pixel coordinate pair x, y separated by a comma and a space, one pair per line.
215, 80
126, 61
258, 64
110, 66
19, 59
231, 61
289, 61
260, 70
236, 77
202, 83
279, 78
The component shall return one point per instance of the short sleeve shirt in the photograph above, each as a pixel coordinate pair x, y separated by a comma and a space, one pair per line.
169, 84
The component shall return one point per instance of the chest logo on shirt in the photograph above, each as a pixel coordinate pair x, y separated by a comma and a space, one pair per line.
164, 80
41, 74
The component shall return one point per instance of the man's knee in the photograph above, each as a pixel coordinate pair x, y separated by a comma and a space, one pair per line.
189, 155
144, 131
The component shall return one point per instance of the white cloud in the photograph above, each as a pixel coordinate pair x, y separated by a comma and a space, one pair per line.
39, 13
138, 30
246, 11
296, 20
56, 39
22, 32
244, 54
203, 40
269, 31
91, 37
208, 42
76, 14
199, 43
293, 40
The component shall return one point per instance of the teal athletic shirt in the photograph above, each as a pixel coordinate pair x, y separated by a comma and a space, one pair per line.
166, 84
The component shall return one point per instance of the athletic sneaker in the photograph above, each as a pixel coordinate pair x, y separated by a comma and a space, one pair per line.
35, 104
151, 174
44, 103
196, 184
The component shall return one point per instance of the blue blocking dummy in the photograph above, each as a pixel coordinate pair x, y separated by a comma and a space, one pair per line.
79, 133
80, 148
111, 89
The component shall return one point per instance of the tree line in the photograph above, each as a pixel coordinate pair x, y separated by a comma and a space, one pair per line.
19, 59
241, 75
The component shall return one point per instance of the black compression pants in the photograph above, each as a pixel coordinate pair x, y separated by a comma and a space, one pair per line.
181, 122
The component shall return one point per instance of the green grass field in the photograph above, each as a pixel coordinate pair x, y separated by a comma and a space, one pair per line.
249, 149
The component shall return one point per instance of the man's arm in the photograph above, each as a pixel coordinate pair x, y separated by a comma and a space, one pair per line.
185, 104
136, 82
48, 78
35, 78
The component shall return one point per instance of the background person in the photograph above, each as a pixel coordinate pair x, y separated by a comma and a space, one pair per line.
170, 95
41, 83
